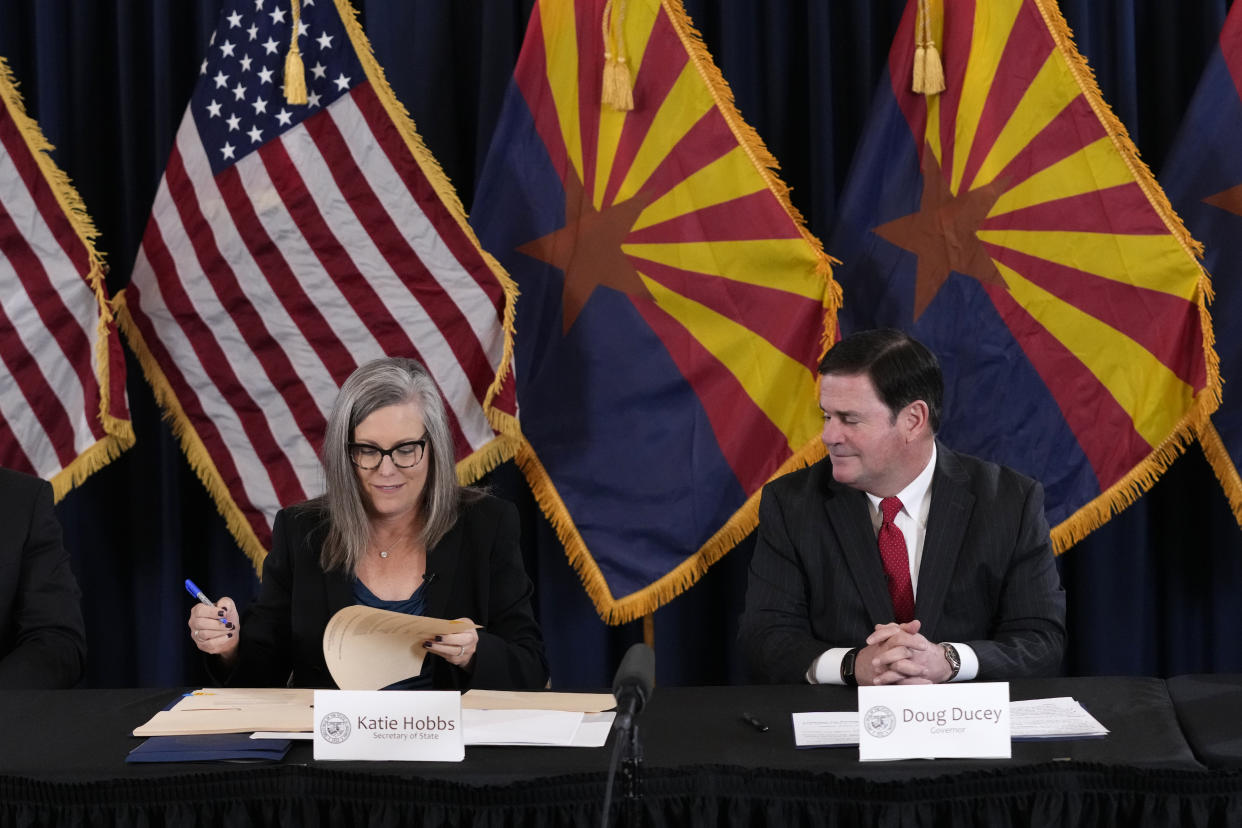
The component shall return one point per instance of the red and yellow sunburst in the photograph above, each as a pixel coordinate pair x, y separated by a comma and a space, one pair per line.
674, 203
1032, 187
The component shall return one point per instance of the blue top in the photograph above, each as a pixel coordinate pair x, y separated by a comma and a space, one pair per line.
409, 606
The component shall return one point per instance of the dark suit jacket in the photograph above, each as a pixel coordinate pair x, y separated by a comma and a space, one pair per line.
987, 577
42, 637
478, 574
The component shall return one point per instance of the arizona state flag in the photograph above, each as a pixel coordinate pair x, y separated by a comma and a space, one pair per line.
1203, 177
1008, 223
672, 305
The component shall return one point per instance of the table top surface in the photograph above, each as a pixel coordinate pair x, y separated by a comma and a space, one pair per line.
84, 735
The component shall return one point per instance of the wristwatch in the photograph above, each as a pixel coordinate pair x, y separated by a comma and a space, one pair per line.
955, 661
847, 667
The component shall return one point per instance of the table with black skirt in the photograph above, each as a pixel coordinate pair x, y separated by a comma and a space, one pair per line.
62, 761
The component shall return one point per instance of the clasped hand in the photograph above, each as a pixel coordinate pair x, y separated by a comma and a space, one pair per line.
898, 654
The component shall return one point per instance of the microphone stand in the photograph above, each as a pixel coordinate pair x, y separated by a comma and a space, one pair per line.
629, 750
631, 772
631, 687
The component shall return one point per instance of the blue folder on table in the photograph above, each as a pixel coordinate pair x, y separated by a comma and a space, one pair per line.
210, 747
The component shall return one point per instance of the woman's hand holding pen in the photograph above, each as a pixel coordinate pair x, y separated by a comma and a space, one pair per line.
215, 628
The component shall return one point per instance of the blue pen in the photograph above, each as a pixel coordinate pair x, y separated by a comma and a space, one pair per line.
193, 589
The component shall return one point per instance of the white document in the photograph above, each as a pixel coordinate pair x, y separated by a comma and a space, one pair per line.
594, 730
520, 727
1059, 718
829, 729
1031, 720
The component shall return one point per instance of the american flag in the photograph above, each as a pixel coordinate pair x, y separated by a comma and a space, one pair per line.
63, 411
290, 243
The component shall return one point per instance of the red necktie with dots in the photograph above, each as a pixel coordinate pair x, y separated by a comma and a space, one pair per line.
896, 561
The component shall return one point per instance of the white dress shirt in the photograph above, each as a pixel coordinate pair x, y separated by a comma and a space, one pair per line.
912, 521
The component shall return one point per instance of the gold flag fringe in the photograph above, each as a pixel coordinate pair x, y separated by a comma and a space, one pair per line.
1196, 420
118, 433
195, 452
471, 468
743, 132
613, 610
505, 446
1223, 466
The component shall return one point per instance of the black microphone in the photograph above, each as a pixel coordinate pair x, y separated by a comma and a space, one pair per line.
633, 684
428, 577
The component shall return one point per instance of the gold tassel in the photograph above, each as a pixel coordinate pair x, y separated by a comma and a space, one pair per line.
618, 84
295, 71
933, 72
928, 75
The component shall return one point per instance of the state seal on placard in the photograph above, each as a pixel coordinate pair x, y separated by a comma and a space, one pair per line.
334, 727
879, 721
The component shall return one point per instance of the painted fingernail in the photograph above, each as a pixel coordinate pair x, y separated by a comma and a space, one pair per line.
220, 613
426, 645
439, 638
230, 635
229, 626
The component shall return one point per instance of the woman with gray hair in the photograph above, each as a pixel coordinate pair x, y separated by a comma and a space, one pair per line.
393, 530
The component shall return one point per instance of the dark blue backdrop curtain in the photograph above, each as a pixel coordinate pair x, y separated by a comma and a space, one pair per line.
1154, 592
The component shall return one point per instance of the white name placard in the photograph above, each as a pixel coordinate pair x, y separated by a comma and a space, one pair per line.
389, 725
931, 721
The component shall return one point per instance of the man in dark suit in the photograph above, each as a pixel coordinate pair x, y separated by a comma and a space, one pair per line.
42, 637
895, 559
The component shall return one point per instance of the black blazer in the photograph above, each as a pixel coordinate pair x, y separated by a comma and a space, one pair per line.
42, 637
478, 573
987, 577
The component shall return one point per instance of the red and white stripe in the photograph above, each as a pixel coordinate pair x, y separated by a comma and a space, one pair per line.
50, 393
259, 290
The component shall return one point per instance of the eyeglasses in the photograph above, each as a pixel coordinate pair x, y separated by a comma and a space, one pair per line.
403, 455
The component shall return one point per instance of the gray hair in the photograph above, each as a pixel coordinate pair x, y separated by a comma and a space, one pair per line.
374, 385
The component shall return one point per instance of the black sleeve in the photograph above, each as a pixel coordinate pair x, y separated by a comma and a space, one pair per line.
49, 644
1028, 634
265, 647
775, 633
510, 653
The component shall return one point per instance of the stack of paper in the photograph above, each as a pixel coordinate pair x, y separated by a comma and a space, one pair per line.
1036, 719
1059, 718
489, 717
511, 717
228, 710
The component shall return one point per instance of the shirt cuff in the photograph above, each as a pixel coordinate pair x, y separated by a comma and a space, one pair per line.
827, 668
970, 662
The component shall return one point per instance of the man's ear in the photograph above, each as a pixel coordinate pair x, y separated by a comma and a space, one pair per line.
915, 419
